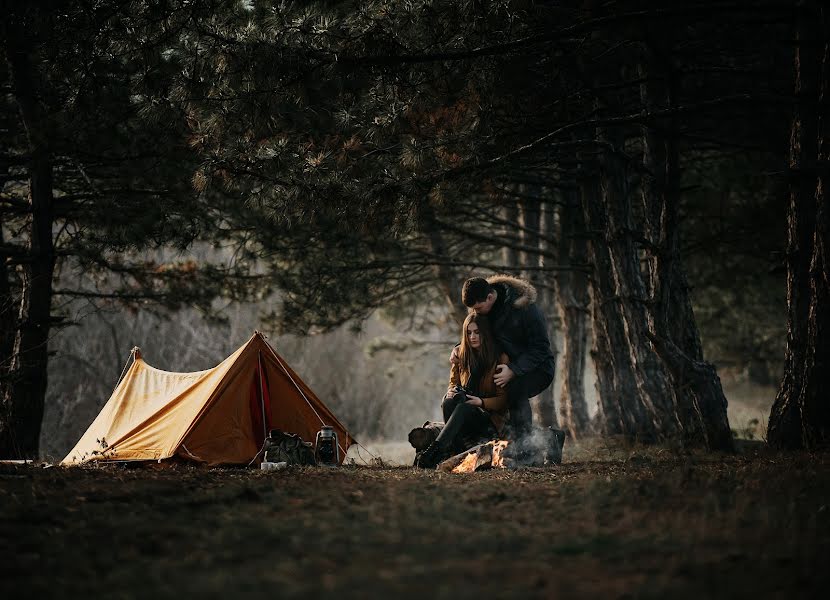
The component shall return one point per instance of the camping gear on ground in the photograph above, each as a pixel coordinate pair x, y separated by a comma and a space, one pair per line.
326, 447
555, 445
217, 416
289, 448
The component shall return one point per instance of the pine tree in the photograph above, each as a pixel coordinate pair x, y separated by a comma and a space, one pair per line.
95, 170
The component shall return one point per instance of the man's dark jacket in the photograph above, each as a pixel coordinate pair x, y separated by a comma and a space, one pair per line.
519, 326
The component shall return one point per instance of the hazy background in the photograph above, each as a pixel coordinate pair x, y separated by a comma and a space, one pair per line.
381, 377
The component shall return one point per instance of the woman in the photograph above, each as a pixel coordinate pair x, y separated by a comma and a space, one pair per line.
474, 405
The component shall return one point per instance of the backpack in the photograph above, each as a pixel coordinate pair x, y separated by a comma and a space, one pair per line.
288, 447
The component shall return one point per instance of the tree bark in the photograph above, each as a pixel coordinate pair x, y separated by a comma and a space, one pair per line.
609, 416
698, 398
653, 407
8, 316
572, 301
800, 416
23, 401
622, 407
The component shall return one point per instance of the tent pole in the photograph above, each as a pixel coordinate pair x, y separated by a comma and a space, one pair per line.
134, 354
262, 394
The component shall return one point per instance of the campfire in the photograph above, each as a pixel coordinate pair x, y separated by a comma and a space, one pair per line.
485, 456
541, 448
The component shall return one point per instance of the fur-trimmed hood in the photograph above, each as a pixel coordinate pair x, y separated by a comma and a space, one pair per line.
525, 292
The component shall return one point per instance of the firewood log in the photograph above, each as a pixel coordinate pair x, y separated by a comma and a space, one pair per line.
478, 458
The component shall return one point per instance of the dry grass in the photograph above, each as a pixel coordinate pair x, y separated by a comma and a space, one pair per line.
614, 522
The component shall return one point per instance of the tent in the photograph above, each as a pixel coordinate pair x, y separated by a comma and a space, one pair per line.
217, 416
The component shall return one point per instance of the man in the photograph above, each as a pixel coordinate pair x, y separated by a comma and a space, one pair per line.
519, 328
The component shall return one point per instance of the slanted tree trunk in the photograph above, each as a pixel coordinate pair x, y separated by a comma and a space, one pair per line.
572, 301
800, 416
23, 401
622, 407
652, 380
652, 409
698, 398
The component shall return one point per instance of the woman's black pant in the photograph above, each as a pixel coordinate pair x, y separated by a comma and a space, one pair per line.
462, 421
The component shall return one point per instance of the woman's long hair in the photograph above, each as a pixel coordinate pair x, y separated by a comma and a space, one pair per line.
478, 360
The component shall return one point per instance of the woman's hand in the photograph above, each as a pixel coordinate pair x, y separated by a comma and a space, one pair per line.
475, 401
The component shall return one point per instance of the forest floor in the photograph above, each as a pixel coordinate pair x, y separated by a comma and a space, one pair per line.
613, 521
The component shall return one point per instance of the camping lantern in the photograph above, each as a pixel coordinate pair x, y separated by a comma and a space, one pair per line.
326, 447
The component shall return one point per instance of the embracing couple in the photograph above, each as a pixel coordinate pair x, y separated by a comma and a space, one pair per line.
503, 360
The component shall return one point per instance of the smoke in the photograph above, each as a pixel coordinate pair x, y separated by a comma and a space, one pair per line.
541, 446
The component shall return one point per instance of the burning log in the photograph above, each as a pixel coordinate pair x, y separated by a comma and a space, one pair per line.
478, 458
542, 448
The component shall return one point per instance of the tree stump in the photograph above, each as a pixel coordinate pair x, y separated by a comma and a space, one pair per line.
422, 437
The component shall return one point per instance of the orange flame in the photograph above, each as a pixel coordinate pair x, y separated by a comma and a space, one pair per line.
498, 454
468, 465
484, 457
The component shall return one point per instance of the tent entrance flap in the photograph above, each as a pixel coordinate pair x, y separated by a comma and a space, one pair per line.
260, 403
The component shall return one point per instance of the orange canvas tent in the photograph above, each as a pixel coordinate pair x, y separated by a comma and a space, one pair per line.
217, 416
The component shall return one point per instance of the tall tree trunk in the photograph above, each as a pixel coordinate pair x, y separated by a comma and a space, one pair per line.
533, 220
530, 217
800, 416
510, 256
653, 407
572, 300
8, 319
8, 314
23, 401
448, 281
620, 399
699, 402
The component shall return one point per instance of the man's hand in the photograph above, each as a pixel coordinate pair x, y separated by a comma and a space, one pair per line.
503, 375
454, 356
475, 400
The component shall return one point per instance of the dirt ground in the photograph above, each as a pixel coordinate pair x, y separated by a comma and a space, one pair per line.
611, 523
